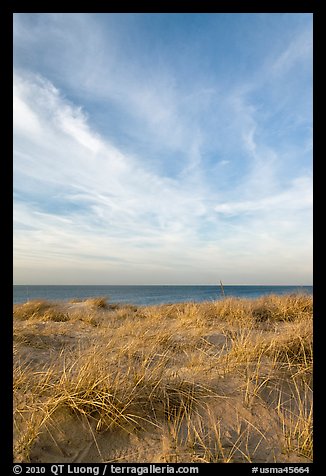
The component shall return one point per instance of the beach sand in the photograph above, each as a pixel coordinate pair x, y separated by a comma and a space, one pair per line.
225, 381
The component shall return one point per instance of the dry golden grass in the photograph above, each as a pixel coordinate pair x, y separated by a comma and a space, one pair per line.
224, 381
41, 310
97, 302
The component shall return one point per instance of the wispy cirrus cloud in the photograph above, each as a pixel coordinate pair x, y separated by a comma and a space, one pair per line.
171, 182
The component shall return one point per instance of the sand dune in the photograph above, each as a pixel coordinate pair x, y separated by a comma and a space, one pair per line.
224, 381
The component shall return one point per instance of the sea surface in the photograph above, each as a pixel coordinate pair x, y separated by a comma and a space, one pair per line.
144, 295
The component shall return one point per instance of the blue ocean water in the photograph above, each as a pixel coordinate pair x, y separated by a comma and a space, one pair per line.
144, 295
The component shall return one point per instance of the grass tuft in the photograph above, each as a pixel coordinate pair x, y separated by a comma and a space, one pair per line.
39, 310
97, 302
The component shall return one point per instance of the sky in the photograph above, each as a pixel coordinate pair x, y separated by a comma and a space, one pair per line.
162, 148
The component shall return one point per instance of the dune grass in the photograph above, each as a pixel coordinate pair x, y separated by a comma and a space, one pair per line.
98, 302
224, 381
36, 310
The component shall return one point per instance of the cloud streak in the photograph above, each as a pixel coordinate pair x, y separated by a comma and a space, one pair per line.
209, 197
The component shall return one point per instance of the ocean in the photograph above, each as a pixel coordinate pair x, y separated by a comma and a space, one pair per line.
145, 295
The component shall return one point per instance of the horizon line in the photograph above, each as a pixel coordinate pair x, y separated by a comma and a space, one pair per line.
168, 284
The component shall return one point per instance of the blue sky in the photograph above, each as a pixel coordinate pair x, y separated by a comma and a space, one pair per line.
162, 148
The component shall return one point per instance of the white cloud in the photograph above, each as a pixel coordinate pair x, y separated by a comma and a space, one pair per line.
25, 119
118, 189
297, 197
298, 50
98, 213
125, 213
